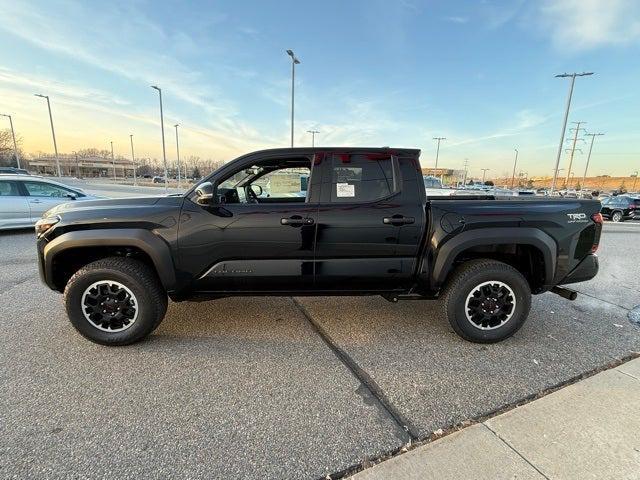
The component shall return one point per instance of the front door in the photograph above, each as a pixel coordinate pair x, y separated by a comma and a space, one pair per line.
261, 239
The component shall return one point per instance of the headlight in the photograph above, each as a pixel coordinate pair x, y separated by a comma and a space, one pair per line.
45, 224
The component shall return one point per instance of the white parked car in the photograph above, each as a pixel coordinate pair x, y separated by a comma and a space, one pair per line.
23, 199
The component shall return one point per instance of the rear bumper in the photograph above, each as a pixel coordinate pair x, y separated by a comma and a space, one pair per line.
585, 270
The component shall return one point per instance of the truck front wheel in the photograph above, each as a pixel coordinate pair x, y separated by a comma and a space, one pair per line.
115, 301
486, 301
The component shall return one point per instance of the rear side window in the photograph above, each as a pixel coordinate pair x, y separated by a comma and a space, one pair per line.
362, 178
9, 189
636, 202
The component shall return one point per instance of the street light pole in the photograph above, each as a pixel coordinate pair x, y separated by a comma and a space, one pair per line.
484, 172
164, 152
113, 162
635, 179
313, 137
515, 162
435, 170
564, 123
133, 159
294, 62
593, 137
15, 147
178, 152
53, 132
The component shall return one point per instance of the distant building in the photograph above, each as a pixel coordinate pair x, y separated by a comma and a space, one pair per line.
446, 175
90, 166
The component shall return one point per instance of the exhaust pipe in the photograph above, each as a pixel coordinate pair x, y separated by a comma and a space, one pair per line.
565, 292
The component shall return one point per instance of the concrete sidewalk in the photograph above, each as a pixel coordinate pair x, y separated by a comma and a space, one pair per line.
590, 429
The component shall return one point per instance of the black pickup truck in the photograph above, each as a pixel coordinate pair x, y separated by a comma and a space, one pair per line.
324, 221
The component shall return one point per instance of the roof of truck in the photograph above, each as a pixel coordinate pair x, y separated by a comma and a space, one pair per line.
307, 150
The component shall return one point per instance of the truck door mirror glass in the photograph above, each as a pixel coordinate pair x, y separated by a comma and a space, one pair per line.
205, 193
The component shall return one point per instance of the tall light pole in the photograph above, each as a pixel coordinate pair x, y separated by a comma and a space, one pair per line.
484, 173
294, 62
113, 162
164, 151
15, 148
178, 152
515, 162
313, 137
53, 132
635, 179
593, 137
133, 159
566, 117
438, 139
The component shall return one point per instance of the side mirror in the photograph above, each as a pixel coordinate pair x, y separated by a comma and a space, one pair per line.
256, 189
72, 196
205, 193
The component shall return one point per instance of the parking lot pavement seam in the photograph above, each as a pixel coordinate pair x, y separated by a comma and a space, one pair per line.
514, 450
629, 375
362, 376
603, 301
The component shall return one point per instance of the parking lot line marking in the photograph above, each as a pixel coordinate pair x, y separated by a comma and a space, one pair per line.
363, 377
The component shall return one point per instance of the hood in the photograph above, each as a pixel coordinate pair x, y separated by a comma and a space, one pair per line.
100, 204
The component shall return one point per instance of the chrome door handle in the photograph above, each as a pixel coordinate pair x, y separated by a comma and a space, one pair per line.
296, 221
35, 201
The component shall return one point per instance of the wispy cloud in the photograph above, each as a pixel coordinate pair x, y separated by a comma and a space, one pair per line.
457, 19
575, 25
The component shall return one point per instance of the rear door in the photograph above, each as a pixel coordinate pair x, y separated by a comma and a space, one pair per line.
14, 208
367, 223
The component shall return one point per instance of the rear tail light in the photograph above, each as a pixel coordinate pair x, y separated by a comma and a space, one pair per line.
597, 219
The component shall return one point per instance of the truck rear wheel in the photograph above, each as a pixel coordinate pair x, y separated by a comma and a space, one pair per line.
115, 301
487, 301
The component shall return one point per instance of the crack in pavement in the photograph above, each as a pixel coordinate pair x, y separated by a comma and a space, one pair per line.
514, 450
375, 393
602, 300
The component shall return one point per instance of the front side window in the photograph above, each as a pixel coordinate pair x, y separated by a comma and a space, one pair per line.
362, 178
283, 183
42, 189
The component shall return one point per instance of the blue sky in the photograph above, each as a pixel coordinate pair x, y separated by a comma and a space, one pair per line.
480, 73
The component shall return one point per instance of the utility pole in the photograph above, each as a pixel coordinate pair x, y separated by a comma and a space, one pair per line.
164, 151
593, 137
133, 159
13, 134
294, 62
466, 168
484, 173
313, 137
53, 132
515, 162
113, 162
438, 139
573, 149
178, 152
77, 166
566, 116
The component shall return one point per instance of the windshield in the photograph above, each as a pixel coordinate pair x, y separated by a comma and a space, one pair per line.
237, 178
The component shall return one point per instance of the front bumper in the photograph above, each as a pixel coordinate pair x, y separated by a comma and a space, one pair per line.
585, 270
40, 245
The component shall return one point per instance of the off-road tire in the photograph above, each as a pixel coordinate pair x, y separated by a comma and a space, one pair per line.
465, 279
140, 279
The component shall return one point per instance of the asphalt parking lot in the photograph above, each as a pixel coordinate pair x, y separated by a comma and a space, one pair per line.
278, 387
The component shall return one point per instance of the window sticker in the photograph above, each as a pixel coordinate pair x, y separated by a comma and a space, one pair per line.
345, 190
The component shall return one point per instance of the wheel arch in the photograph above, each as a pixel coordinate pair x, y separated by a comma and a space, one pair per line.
510, 245
69, 252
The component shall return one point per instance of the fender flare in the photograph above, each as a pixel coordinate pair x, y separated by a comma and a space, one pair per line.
151, 244
493, 236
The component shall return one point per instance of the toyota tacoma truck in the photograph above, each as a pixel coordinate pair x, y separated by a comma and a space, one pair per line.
323, 221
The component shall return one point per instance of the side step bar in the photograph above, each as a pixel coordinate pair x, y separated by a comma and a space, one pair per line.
565, 292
